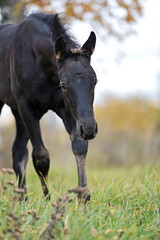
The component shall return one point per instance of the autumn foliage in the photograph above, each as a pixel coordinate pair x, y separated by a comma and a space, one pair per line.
131, 115
108, 18
129, 131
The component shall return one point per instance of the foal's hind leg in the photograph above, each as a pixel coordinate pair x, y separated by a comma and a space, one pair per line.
40, 154
19, 150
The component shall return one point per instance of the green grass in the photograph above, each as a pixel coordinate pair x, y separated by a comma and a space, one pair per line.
125, 204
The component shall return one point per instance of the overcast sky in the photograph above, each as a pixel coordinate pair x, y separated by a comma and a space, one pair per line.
136, 71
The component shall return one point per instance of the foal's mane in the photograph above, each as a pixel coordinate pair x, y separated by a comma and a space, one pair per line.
58, 28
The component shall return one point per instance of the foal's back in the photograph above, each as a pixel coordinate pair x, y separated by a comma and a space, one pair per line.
20, 56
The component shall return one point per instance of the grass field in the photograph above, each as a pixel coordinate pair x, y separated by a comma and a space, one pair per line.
125, 204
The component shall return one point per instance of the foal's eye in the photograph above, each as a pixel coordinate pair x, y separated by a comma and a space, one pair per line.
63, 86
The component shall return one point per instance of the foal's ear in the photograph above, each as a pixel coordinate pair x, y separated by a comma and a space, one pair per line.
60, 47
89, 45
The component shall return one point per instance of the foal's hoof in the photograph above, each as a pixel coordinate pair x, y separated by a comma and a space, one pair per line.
46, 193
48, 198
82, 193
86, 198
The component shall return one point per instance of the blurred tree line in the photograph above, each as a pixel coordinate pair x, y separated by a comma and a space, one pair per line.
129, 134
129, 131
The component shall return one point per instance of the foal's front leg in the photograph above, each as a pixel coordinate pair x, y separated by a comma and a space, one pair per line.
80, 148
40, 154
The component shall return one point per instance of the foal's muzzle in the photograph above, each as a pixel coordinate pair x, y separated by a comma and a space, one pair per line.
88, 131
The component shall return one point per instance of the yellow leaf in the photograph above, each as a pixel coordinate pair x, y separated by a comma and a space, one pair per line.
107, 231
120, 230
100, 237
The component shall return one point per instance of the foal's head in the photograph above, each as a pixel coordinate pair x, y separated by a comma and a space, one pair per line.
78, 80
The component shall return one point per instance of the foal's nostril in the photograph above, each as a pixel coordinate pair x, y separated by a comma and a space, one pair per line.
82, 132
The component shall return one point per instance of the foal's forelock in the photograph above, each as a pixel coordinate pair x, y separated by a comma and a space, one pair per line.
76, 51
